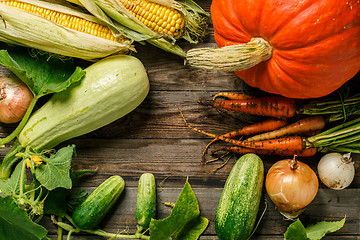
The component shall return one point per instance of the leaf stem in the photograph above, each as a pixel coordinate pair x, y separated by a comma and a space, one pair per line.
342, 137
100, 232
337, 109
9, 160
22, 178
21, 125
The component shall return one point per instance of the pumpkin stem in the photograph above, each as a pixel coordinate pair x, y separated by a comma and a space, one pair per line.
231, 58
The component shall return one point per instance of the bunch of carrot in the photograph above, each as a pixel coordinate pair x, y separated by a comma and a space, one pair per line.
279, 135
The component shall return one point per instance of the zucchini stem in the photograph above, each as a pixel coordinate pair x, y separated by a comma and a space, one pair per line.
231, 58
9, 160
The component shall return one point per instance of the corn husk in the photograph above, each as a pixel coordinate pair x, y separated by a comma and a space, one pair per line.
22, 28
196, 22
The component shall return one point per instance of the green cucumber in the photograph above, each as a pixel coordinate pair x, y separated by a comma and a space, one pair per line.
237, 210
97, 204
145, 202
111, 88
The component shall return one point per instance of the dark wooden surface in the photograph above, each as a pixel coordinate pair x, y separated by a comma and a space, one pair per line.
153, 138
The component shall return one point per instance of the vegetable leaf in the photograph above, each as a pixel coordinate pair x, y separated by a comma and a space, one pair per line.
317, 231
55, 202
12, 184
15, 223
60, 200
193, 229
296, 231
41, 72
56, 171
183, 222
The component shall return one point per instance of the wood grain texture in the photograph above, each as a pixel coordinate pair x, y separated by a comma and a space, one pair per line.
154, 138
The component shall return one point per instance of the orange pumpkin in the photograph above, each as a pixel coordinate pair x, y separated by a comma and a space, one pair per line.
315, 45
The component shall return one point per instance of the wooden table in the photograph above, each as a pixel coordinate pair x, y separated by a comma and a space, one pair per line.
154, 138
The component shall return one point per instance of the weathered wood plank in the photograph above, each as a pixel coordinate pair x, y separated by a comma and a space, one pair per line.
165, 157
326, 206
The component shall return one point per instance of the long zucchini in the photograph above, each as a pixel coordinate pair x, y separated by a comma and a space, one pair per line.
111, 88
239, 202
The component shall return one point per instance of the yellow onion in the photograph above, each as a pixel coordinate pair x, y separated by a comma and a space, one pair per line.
291, 186
15, 98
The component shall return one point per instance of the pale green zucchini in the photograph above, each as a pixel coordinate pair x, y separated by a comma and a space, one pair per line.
111, 88
239, 202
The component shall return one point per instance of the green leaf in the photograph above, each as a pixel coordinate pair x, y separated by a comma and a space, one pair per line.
60, 200
15, 223
55, 172
317, 231
12, 184
296, 231
76, 197
55, 202
180, 222
193, 229
41, 72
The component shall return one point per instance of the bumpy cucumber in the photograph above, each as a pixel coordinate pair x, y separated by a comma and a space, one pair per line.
146, 201
111, 88
98, 203
239, 202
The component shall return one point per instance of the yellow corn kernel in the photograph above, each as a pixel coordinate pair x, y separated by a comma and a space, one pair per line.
66, 20
157, 17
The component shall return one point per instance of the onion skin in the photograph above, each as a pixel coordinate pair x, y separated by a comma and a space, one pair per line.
15, 99
336, 170
291, 188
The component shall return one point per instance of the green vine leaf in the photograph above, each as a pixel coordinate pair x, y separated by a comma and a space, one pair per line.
15, 223
184, 221
55, 172
12, 184
42, 73
297, 231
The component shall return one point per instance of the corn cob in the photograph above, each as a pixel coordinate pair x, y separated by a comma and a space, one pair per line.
58, 29
159, 22
161, 19
66, 20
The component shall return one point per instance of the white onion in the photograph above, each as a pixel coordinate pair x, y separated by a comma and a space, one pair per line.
336, 171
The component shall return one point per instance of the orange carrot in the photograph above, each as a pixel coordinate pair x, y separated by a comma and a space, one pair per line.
311, 133
231, 95
260, 127
304, 125
274, 106
293, 143
289, 143
236, 149
267, 125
